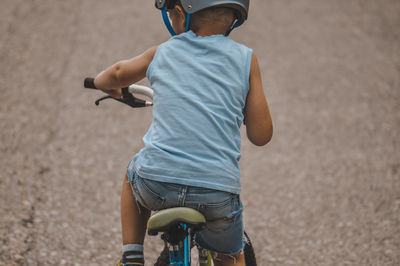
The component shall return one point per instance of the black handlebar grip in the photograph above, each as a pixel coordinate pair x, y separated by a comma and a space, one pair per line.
89, 83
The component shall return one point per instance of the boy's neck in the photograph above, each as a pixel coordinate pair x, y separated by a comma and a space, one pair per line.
209, 30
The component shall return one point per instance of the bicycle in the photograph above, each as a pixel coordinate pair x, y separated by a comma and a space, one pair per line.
176, 225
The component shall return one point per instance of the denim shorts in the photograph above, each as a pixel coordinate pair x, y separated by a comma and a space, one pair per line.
223, 210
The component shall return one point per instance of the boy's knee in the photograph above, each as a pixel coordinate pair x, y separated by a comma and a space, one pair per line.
227, 260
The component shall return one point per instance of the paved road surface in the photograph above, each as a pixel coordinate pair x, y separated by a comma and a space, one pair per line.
325, 191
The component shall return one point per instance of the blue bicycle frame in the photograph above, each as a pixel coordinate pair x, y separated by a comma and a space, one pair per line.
180, 255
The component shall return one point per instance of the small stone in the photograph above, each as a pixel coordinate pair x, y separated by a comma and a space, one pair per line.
18, 257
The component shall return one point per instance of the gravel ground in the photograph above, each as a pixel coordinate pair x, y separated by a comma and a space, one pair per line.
325, 191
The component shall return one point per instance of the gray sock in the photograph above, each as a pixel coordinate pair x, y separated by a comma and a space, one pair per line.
133, 253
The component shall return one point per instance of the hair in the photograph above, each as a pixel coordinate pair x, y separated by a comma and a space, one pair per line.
223, 15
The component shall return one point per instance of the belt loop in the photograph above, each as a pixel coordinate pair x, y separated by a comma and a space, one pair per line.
182, 196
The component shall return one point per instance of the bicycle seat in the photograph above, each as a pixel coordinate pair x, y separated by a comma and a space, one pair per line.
163, 220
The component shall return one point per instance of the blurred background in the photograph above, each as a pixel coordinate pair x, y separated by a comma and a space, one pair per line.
325, 191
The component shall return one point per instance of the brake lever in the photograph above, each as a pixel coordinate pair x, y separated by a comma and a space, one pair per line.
127, 98
97, 102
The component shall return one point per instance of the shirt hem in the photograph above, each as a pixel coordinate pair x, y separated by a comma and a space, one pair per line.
191, 182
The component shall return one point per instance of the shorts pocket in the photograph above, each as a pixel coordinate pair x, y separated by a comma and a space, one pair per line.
146, 194
221, 216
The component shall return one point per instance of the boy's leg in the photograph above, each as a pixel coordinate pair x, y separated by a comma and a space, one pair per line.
133, 217
230, 260
134, 221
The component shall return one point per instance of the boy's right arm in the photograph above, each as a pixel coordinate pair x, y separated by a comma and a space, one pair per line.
124, 73
256, 112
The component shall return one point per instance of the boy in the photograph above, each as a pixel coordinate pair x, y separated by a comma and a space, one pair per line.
205, 85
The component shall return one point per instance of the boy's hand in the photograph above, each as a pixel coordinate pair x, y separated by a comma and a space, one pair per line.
115, 93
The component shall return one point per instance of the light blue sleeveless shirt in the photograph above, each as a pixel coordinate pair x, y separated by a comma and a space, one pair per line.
200, 88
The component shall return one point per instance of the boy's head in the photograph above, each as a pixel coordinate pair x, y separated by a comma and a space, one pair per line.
219, 18
220, 15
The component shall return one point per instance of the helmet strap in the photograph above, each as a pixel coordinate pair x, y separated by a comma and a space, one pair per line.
167, 22
237, 24
187, 21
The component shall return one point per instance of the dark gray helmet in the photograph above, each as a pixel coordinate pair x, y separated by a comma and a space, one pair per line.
191, 6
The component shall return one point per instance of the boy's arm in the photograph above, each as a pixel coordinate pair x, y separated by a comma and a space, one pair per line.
124, 73
256, 112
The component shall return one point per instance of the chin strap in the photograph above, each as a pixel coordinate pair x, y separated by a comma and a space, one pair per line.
187, 21
237, 24
168, 23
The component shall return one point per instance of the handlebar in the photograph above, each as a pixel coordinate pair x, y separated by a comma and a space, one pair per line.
127, 94
88, 83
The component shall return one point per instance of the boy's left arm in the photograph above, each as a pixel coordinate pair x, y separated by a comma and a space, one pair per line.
124, 73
